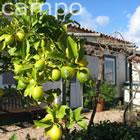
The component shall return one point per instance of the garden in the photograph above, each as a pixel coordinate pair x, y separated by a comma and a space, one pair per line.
37, 49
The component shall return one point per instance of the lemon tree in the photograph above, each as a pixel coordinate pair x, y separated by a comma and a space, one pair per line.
55, 133
39, 49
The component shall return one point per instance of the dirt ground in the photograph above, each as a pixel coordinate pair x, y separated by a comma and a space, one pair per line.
111, 115
7, 131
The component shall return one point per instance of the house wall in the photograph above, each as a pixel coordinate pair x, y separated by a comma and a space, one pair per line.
93, 65
120, 70
76, 95
53, 85
121, 73
77, 92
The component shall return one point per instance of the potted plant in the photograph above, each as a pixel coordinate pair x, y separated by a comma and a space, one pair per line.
89, 94
107, 94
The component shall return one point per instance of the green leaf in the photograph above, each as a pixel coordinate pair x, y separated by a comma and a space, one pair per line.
72, 46
36, 57
70, 124
2, 37
68, 16
49, 110
1, 46
61, 112
28, 90
45, 124
34, 74
62, 43
77, 114
12, 51
81, 49
27, 66
4, 46
74, 11
13, 137
34, 23
48, 117
36, 45
82, 124
70, 114
27, 49
26, 19
55, 55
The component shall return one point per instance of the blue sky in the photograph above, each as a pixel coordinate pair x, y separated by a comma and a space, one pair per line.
108, 16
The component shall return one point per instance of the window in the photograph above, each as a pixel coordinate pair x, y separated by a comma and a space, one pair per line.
110, 70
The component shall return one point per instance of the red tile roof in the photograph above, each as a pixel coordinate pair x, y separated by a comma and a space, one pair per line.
74, 28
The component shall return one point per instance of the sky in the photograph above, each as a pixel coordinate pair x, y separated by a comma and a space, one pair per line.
109, 16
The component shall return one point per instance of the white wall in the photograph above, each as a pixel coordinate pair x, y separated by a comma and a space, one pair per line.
136, 95
121, 73
120, 70
135, 69
92, 65
76, 95
54, 85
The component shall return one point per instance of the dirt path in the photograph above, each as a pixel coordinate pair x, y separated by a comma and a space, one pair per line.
38, 133
107, 115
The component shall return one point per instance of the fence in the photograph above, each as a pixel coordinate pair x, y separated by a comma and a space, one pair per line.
13, 103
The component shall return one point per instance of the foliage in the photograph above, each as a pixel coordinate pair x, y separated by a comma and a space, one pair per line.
35, 46
89, 93
63, 115
107, 91
107, 130
116, 131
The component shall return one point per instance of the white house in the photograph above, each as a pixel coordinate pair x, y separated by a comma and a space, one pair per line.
115, 66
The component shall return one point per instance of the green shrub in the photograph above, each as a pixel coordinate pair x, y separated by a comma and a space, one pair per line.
107, 91
109, 131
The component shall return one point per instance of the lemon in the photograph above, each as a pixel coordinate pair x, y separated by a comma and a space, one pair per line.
56, 74
55, 133
83, 62
67, 72
20, 35
37, 93
39, 64
83, 75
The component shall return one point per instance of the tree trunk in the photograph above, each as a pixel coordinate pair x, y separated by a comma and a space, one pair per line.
98, 83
